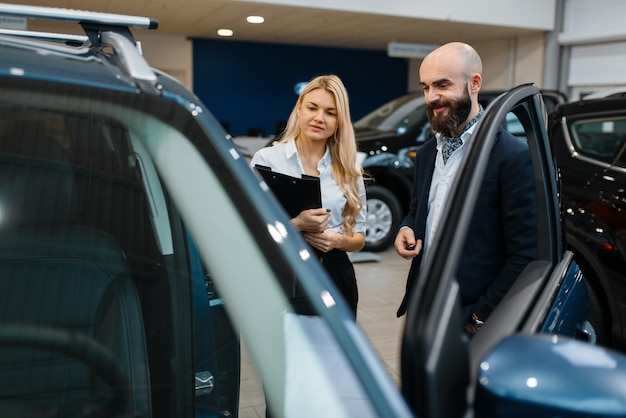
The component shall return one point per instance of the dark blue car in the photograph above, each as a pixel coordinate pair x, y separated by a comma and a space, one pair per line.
137, 247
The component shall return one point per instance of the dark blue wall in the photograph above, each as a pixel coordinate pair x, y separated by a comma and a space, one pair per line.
251, 85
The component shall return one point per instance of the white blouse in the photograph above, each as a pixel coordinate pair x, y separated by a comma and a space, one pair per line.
283, 158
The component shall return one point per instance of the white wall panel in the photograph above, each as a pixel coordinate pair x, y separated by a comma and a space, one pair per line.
593, 22
594, 38
602, 65
593, 16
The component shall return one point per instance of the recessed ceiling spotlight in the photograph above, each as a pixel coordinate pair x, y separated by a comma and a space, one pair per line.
255, 19
225, 32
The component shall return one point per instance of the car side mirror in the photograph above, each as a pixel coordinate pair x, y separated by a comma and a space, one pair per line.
548, 376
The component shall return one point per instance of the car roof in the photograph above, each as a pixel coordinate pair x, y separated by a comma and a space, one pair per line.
612, 92
608, 104
65, 64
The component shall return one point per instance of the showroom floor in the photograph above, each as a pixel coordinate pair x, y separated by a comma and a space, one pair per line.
381, 279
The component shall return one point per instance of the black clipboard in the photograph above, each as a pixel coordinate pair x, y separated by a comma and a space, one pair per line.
295, 194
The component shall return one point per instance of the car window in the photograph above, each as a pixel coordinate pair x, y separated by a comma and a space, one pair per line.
76, 211
513, 125
600, 139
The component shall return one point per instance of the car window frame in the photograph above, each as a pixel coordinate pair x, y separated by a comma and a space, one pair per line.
358, 352
616, 161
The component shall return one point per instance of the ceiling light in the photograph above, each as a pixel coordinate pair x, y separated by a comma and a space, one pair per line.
225, 32
255, 19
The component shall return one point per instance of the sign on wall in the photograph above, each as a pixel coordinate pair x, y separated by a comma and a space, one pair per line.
406, 50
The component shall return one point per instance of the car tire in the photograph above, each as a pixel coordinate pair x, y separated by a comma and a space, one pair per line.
384, 214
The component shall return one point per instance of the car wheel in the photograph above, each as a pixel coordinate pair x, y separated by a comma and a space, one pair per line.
384, 214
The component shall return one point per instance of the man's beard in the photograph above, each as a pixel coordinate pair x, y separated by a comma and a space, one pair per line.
458, 111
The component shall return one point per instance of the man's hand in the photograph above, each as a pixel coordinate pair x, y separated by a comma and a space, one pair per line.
472, 326
406, 245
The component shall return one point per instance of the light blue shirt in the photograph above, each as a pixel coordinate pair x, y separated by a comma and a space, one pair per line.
283, 158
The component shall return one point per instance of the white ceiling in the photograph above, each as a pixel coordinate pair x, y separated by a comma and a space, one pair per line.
287, 24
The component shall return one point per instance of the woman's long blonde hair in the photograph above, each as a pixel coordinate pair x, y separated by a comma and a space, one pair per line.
342, 145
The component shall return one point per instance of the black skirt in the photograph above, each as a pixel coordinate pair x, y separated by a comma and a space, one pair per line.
341, 271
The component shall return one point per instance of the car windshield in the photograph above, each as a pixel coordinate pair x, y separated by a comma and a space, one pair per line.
398, 115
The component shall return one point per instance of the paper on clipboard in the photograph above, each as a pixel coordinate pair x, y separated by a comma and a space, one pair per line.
295, 194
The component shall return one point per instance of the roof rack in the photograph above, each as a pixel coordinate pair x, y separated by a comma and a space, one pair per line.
77, 16
47, 36
102, 29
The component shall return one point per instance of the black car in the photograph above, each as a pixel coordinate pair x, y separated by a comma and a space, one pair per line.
589, 141
388, 137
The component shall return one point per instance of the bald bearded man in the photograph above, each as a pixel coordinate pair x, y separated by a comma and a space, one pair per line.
502, 233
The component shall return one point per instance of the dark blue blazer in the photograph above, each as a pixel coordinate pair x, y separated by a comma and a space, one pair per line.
502, 236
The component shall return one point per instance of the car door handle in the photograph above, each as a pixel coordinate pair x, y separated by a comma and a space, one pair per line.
586, 332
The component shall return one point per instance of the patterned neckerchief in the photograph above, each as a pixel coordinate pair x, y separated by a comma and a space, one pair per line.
449, 145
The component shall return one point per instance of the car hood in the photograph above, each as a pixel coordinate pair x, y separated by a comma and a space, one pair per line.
367, 134
371, 140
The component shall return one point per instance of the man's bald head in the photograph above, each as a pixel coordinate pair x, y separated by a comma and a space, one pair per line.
460, 54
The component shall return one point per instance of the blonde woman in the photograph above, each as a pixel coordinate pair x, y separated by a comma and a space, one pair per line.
319, 141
